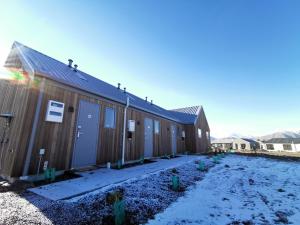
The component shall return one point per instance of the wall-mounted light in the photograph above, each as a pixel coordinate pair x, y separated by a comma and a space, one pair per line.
70, 109
8, 117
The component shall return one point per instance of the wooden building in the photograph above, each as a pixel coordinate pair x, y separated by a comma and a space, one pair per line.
52, 115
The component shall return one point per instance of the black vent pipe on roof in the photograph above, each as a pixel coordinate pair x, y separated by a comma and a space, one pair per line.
75, 67
124, 89
70, 62
119, 85
146, 99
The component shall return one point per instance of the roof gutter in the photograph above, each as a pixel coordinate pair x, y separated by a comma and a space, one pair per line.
124, 131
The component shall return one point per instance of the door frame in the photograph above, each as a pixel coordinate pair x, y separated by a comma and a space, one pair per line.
173, 126
152, 150
76, 130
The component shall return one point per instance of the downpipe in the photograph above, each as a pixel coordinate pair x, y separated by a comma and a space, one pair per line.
124, 131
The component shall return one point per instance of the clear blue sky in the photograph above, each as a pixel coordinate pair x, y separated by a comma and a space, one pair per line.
239, 59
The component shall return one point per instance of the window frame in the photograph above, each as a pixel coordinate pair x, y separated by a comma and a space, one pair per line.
199, 133
156, 127
207, 135
106, 125
287, 149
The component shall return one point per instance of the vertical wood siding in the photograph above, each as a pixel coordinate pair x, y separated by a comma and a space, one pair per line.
58, 138
14, 97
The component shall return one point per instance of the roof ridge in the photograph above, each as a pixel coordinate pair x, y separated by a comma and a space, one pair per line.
84, 73
54, 69
192, 110
187, 107
22, 45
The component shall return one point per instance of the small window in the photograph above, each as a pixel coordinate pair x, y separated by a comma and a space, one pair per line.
270, 146
207, 135
228, 146
287, 147
199, 133
156, 127
109, 118
243, 146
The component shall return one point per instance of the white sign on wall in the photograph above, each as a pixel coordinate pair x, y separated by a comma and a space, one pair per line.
55, 111
131, 125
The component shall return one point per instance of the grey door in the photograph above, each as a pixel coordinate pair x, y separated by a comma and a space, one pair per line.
174, 139
148, 143
87, 133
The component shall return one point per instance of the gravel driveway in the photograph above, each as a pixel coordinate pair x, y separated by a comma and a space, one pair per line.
143, 198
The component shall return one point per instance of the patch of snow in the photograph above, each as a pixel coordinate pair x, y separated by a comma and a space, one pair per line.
246, 190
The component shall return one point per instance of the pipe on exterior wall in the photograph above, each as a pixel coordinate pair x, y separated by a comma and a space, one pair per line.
34, 127
124, 131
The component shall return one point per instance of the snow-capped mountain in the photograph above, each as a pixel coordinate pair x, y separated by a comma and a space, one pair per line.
281, 134
237, 135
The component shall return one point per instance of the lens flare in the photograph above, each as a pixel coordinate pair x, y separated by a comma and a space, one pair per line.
14, 75
20, 77
5, 75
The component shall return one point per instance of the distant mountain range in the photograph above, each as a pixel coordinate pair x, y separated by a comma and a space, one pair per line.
281, 134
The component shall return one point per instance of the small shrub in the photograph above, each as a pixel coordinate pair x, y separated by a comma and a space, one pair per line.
114, 196
174, 170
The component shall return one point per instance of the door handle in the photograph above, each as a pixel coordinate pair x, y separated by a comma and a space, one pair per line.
79, 133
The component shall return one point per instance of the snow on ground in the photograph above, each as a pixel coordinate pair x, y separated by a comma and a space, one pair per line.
144, 197
240, 190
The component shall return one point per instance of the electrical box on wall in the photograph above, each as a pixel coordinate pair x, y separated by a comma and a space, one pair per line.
131, 125
55, 111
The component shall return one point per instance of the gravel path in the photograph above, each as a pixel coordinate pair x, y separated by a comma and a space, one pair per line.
143, 197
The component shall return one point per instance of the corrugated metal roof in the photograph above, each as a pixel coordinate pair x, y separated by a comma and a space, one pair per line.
187, 114
223, 141
58, 71
193, 110
283, 141
249, 140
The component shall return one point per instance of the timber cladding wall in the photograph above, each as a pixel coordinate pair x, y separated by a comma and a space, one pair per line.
58, 138
202, 143
194, 143
15, 97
